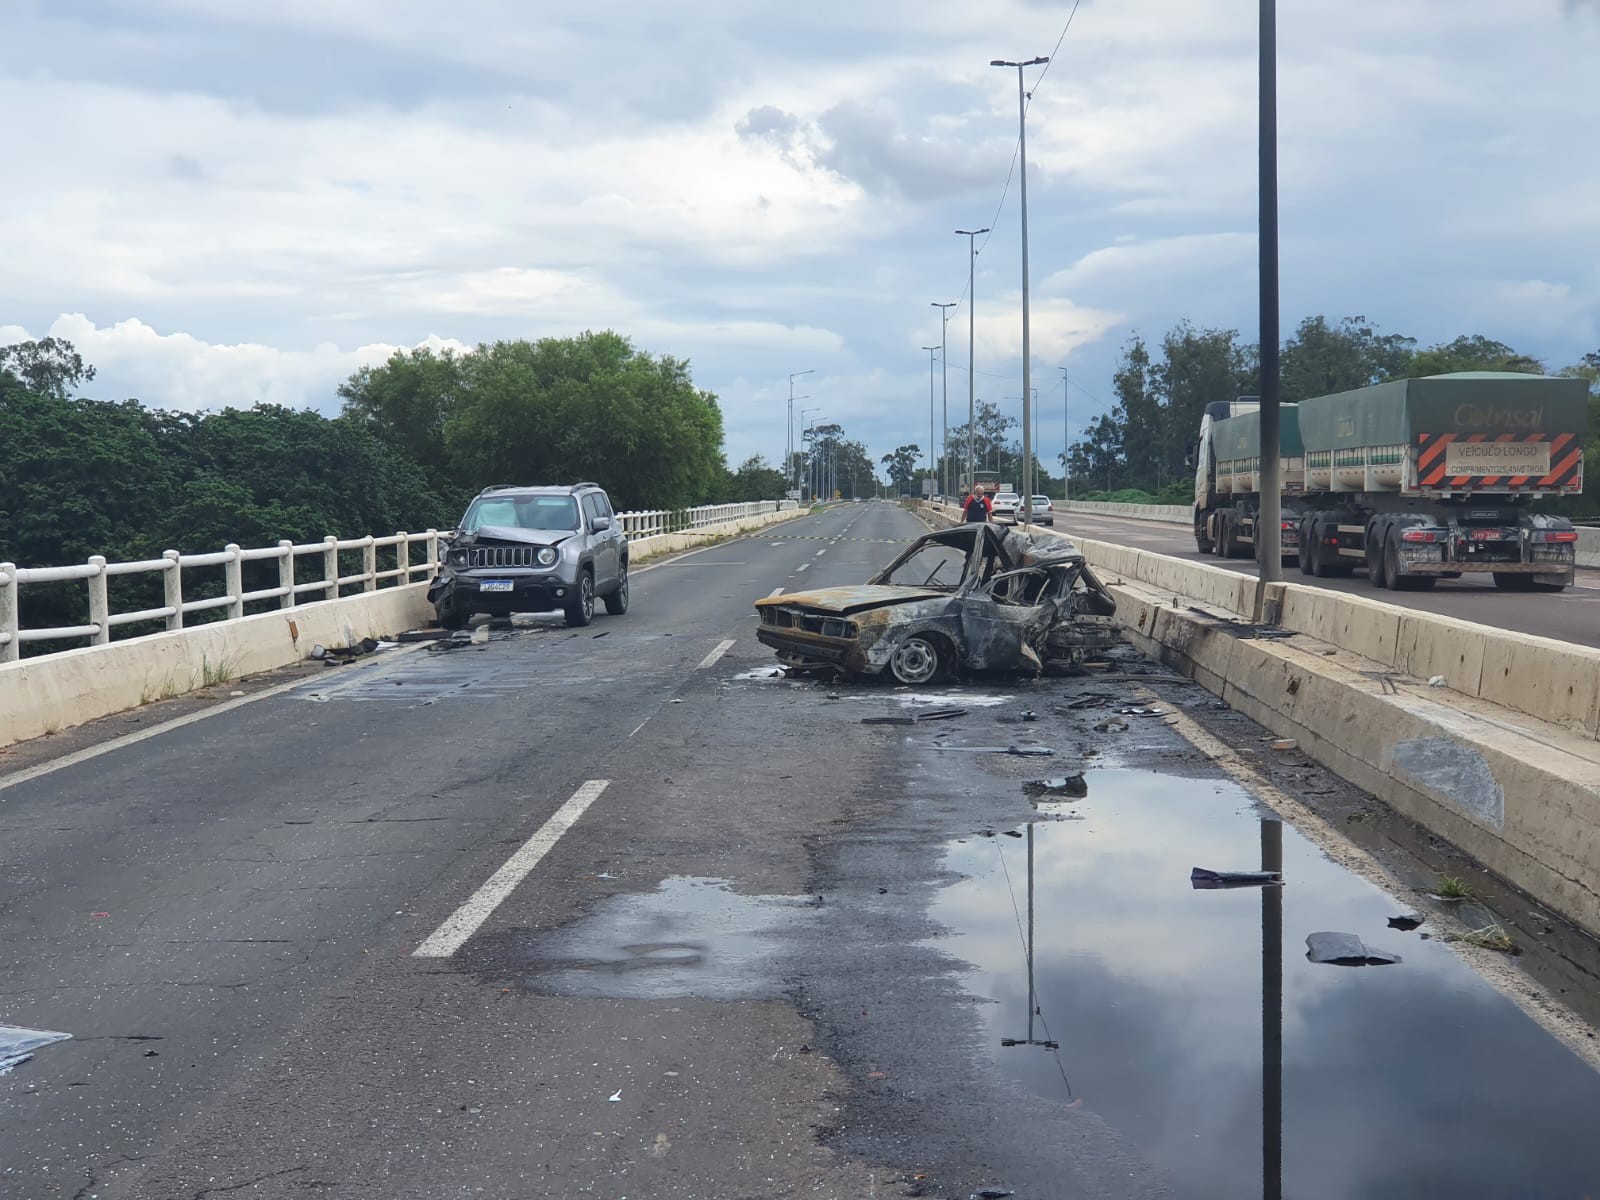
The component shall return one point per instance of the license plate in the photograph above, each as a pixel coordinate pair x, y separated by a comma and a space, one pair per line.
496, 585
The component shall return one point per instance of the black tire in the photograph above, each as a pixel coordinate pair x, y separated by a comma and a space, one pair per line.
1375, 571
1392, 579
1451, 575
1508, 581
451, 616
580, 602
917, 660
1547, 587
617, 598
1310, 554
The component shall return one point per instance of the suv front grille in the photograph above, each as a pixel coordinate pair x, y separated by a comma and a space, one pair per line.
503, 556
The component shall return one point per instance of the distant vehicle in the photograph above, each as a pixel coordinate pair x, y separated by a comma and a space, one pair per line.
1042, 512
1005, 506
533, 549
1416, 480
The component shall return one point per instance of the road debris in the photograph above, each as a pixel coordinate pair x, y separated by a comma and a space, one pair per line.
17, 1044
1138, 711
421, 635
1283, 743
1436, 681
1019, 751
615, 1097
1405, 923
916, 718
1345, 950
1067, 785
1202, 879
1114, 725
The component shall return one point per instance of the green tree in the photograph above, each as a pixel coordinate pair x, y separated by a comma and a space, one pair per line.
1320, 359
901, 466
587, 407
407, 402
1470, 352
754, 480
50, 367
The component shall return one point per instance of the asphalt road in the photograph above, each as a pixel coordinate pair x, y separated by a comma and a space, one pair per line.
734, 970
1569, 616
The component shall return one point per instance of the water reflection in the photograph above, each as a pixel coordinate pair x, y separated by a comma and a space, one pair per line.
1182, 1023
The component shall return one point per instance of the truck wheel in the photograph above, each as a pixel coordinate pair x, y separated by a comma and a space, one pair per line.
1375, 566
580, 601
1392, 579
1310, 555
1508, 581
1202, 543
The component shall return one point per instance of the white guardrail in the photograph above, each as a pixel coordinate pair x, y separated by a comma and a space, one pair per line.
398, 549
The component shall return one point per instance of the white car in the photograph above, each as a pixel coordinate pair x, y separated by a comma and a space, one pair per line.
1004, 507
1043, 513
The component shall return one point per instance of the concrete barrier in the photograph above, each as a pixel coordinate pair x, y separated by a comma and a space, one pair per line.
57, 691
1589, 547
1170, 514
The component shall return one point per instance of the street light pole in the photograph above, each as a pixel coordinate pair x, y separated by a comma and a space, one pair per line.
1269, 525
1027, 375
1066, 440
806, 437
790, 471
930, 350
972, 375
944, 387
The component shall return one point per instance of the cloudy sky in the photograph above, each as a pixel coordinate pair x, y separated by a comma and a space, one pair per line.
223, 203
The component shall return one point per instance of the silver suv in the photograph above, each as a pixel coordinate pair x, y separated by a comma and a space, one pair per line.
533, 549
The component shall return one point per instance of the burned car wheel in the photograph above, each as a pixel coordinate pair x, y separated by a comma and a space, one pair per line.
916, 660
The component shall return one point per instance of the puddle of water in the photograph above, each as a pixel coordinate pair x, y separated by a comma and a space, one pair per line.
689, 937
1178, 1025
17, 1045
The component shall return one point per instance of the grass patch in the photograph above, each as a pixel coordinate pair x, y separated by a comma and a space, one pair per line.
1490, 937
213, 673
1453, 887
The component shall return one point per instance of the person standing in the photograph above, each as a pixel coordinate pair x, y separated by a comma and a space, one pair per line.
975, 509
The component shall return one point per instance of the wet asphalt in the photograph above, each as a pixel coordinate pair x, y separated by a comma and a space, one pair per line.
776, 958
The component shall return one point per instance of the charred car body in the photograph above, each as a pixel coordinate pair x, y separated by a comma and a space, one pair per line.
976, 597
533, 549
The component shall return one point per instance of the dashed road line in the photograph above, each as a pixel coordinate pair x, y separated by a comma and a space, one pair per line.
801, 567
710, 660
464, 922
777, 591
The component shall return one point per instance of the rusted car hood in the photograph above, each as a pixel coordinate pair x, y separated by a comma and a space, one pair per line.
852, 599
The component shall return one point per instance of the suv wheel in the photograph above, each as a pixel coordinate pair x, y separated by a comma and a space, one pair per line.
451, 616
580, 601
617, 601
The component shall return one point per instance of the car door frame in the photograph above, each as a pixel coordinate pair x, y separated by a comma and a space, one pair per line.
603, 553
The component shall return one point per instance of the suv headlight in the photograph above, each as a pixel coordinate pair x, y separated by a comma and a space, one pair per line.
547, 556
455, 557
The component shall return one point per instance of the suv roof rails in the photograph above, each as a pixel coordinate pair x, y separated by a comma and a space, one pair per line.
497, 487
584, 484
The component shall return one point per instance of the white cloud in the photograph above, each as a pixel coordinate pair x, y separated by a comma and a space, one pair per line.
181, 372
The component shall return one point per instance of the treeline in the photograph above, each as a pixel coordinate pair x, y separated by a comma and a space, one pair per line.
1145, 441
417, 437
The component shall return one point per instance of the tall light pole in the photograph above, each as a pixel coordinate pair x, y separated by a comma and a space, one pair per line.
789, 468
1027, 372
944, 391
1066, 439
930, 350
806, 437
972, 375
1269, 525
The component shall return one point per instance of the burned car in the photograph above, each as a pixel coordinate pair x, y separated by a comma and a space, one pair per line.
976, 597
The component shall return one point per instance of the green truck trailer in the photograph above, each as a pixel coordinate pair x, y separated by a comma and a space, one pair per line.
1415, 479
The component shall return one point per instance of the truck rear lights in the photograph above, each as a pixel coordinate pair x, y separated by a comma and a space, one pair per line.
1555, 535
1419, 535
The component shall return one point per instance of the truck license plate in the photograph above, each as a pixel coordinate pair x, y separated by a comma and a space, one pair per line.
495, 585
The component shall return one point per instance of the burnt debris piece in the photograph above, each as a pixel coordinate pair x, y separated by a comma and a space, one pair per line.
1345, 950
916, 718
1405, 923
1062, 785
972, 598
1202, 879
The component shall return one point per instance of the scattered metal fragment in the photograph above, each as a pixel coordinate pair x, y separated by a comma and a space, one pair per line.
1283, 743
1345, 950
1138, 711
1202, 879
1114, 725
1019, 751
1028, 714
1090, 700
1068, 785
422, 635
916, 718
17, 1044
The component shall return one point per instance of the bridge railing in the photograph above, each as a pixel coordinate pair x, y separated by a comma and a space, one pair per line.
95, 574
657, 521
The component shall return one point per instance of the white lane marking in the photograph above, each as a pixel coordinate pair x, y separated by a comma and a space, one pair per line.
802, 567
820, 553
463, 923
711, 659
777, 591
641, 724
216, 710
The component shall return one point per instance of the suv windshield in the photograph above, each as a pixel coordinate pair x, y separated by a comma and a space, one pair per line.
522, 512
